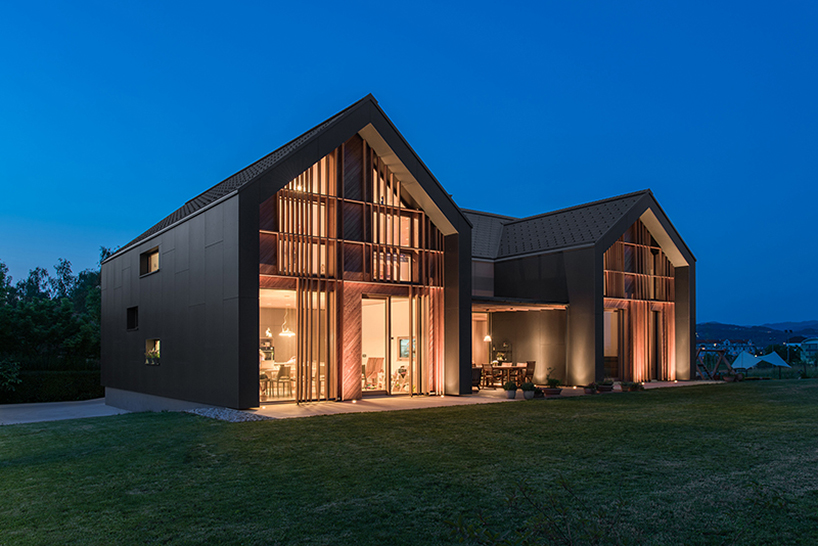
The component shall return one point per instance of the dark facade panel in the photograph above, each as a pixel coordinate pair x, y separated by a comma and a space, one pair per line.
183, 304
540, 278
536, 335
585, 343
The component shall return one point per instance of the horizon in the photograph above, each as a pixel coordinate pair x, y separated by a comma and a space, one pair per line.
116, 115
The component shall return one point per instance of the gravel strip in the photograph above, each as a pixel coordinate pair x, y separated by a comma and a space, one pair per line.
229, 415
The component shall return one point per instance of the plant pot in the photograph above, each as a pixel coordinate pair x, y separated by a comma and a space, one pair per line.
552, 392
589, 390
605, 388
511, 394
528, 395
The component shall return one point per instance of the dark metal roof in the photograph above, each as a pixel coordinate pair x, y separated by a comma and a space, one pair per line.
487, 230
497, 236
234, 182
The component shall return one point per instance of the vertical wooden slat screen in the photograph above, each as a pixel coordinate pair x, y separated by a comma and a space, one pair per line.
639, 278
340, 222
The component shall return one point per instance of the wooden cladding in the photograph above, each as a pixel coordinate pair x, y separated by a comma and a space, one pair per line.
342, 229
364, 229
316, 357
648, 341
636, 268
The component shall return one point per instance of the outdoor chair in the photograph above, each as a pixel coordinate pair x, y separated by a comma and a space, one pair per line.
529, 371
489, 376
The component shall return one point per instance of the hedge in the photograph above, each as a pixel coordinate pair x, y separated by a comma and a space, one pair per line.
56, 386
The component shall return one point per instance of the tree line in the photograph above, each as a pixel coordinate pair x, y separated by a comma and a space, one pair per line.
49, 323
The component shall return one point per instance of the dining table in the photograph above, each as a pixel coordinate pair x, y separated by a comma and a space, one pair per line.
508, 369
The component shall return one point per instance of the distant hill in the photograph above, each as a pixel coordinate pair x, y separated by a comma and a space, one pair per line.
811, 325
761, 336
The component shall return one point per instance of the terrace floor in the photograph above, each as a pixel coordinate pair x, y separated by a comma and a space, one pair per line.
394, 403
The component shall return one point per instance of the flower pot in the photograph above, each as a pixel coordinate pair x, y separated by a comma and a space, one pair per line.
552, 392
589, 390
605, 388
528, 395
511, 394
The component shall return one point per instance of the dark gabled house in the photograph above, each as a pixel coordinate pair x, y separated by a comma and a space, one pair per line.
337, 266
604, 289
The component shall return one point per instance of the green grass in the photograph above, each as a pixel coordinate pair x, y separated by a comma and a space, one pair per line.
695, 465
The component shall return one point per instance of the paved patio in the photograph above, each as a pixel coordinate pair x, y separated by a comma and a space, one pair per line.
395, 403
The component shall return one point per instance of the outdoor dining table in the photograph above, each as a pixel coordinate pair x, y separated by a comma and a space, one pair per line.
506, 370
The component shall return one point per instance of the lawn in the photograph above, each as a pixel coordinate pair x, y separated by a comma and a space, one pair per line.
718, 464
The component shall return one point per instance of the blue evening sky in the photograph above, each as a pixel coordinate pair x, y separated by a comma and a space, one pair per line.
113, 114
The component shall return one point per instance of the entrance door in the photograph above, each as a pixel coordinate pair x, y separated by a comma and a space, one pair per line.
389, 345
613, 347
654, 345
374, 346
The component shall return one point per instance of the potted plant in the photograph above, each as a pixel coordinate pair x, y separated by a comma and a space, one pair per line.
590, 388
528, 389
605, 386
632, 386
152, 357
511, 389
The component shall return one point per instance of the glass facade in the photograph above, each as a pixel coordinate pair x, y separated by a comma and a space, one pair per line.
362, 263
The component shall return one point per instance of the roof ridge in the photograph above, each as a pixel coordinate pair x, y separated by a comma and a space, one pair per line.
583, 205
324, 124
493, 214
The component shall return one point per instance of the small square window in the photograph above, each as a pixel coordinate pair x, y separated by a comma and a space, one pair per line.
149, 261
152, 352
133, 318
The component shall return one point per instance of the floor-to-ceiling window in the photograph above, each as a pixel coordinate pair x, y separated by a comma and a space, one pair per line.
278, 342
364, 265
639, 286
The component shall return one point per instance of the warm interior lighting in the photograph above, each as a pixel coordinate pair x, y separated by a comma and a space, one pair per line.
268, 333
285, 330
487, 339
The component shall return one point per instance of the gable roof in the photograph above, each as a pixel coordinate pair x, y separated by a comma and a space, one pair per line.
496, 236
244, 176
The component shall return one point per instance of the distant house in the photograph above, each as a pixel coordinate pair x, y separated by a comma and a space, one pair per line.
731, 347
795, 341
809, 348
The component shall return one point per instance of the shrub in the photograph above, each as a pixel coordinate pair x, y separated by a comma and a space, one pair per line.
528, 386
40, 386
9, 375
509, 386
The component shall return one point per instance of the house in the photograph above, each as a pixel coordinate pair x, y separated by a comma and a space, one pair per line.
604, 289
809, 348
334, 266
337, 266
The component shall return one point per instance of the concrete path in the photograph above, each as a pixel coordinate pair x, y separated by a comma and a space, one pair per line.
14, 414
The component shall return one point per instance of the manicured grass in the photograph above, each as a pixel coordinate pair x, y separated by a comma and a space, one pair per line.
695, 465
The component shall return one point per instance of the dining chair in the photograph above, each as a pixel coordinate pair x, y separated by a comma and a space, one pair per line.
283, 381
489, 376
529, 370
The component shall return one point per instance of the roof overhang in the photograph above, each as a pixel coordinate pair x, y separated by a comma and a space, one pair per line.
664, 239
408, 181
504, 305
